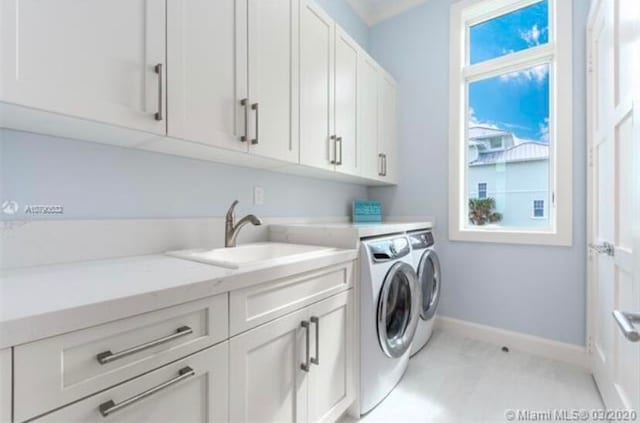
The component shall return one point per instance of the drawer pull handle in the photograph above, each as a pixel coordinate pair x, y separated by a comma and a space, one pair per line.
316, 360
108, 356
111, 407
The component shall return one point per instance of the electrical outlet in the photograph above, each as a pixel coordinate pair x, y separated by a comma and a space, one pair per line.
258, 196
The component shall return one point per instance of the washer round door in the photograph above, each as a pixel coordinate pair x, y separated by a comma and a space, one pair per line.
398, 310
429, 277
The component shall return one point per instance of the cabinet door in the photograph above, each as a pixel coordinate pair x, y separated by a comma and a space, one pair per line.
331, 383
387, 132
192, 390
317, 141
6, 379
369, 160
267, 383
89, 59
346, 78
273, 78
207, 58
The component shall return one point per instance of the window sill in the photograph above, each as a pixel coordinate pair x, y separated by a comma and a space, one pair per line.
560, 238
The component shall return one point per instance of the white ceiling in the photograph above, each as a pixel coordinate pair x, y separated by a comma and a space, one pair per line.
374, 11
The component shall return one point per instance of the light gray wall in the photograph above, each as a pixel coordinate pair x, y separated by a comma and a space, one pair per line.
530, 289
349, 20
99, 181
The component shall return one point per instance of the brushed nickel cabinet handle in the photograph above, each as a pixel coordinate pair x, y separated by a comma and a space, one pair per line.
305, 366
256, 107
159, 114
339, 141
245, 103
110, 407
380, 164
384, 161
108, 356
316, 360
332, 142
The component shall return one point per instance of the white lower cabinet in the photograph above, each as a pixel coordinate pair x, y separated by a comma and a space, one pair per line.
192, 390
295, 368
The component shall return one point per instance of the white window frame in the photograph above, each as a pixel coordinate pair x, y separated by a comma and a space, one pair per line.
559, 52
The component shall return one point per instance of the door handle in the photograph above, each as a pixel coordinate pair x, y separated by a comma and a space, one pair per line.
305, 366
245, 103
159, 114
316, 360
256, 107
108, 356
625, 321
380, 164
604, 248
339, 141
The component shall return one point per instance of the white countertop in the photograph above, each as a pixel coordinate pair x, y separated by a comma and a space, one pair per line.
37, 302
340, 235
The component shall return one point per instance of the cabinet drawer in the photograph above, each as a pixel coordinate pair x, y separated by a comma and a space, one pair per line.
192, 390
261, 303
58, 370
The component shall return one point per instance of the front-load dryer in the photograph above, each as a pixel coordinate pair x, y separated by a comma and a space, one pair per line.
427, 267
389, 313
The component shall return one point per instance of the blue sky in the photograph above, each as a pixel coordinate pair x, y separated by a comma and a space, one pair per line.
517, 102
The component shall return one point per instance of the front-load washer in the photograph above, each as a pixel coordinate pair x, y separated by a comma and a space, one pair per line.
389, 313
427, 267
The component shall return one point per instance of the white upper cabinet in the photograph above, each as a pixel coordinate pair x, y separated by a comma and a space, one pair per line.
317, 140
328, 93
273, 78
346, 100
207, 60
387, 129
96, 60
370, 163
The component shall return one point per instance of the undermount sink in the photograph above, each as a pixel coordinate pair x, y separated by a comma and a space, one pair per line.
251, 254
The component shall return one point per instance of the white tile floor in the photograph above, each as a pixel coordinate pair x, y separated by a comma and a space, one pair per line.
457, 379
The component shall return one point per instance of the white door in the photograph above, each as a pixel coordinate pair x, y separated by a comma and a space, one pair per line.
317, 137
273, 78
267, 381
387, 130
192, 390
93, 59
346, 98
331, 385
614, 201
369, 162
207, 78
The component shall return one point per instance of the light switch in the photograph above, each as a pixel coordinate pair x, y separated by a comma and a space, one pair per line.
258, 196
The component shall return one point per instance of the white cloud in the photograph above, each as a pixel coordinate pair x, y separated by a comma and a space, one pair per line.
537, 74
544, 131
531, 36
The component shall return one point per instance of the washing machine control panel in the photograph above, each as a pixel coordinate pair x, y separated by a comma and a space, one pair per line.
389, 249
421, 240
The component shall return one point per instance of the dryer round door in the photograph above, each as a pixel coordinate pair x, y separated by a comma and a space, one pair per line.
429, 277
398, 310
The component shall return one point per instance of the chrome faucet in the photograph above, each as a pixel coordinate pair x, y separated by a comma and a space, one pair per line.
232, 228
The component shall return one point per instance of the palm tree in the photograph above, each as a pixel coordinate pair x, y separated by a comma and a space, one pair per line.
481, 211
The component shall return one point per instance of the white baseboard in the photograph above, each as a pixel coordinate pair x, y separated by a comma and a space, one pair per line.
568, 353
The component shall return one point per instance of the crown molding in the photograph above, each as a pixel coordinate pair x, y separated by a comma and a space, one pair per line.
375, 14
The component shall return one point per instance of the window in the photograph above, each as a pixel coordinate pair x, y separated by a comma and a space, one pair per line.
538, 208
511, 123
482, 190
